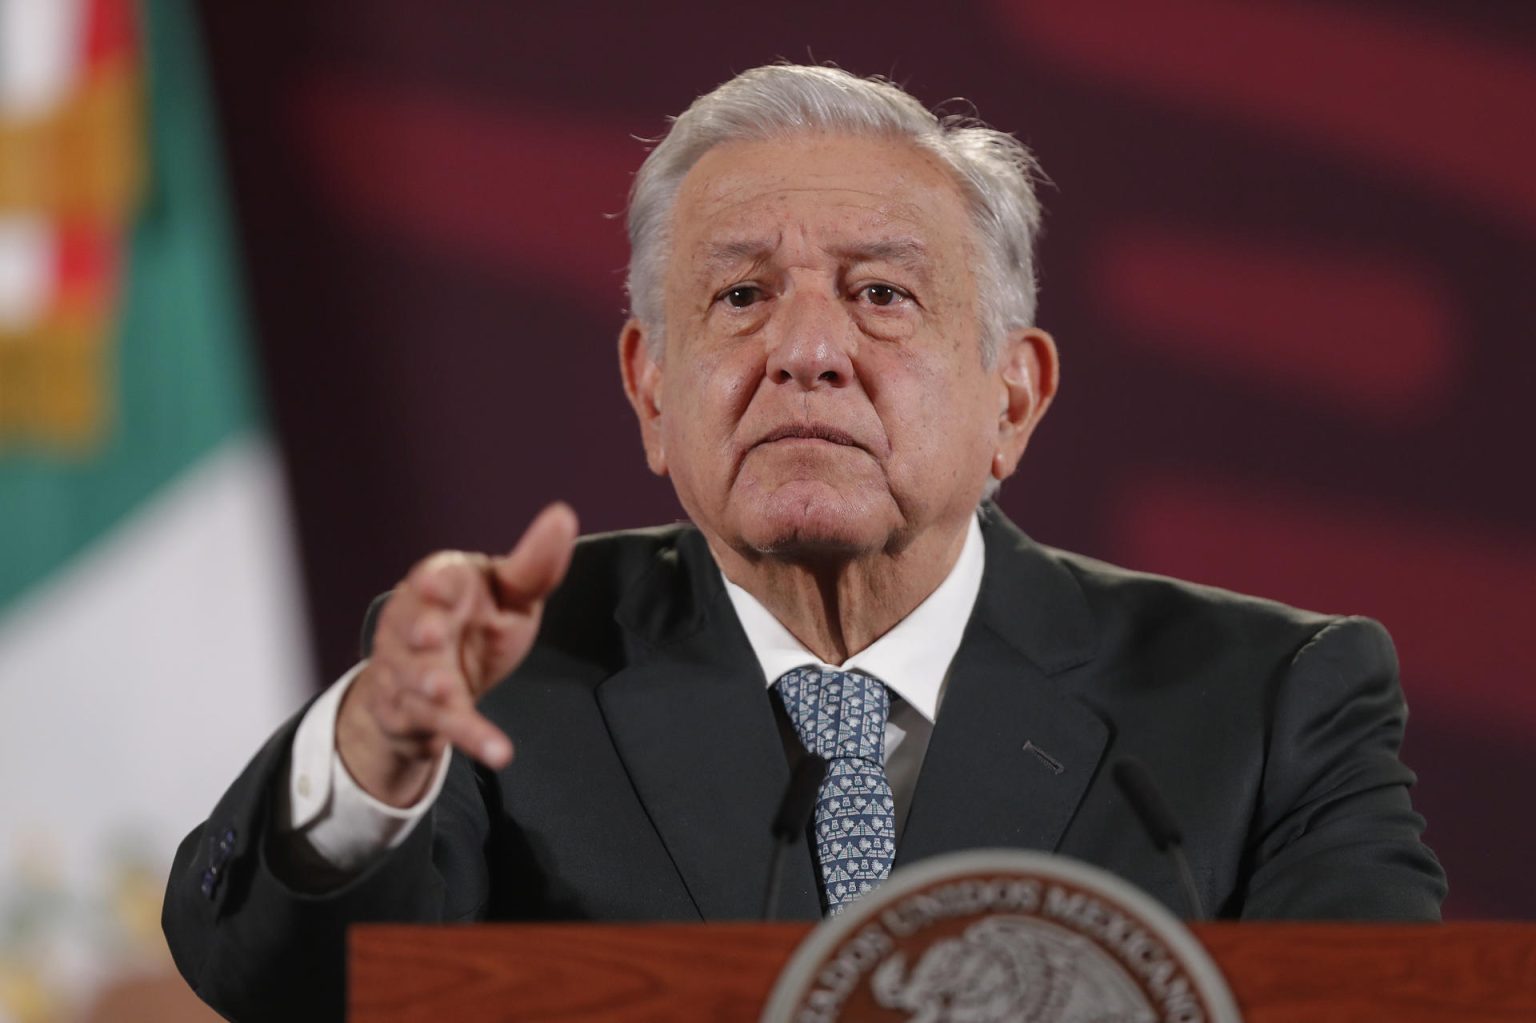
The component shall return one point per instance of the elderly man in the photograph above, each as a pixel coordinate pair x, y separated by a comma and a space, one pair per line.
832, 355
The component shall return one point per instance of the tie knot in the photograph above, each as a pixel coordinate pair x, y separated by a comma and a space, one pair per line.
837, 713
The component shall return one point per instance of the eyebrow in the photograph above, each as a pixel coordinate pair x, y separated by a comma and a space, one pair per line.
907, 252
723, 255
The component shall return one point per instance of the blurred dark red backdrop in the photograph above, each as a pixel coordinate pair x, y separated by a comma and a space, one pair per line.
1288, 259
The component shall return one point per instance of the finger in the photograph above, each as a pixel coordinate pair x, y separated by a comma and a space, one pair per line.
415, 728
473, 733
396, 711
397, 685
538, 562
430, 631
445, 579
439, 684
412, 641
395, 619
419, 699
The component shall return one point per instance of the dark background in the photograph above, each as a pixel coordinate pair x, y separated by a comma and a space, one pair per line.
1288, 260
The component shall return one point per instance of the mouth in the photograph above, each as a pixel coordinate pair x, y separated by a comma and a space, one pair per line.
809, 432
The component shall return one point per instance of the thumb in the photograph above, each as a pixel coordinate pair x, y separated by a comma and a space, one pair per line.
538, 562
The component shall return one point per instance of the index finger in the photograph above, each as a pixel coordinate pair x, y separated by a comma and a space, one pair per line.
538, 562
474, 734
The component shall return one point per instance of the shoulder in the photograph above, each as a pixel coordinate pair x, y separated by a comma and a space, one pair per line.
616, 579
1303, 658
623, 556
1133, 613
1117, 592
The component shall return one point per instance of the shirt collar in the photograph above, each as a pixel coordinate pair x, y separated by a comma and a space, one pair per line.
913, 658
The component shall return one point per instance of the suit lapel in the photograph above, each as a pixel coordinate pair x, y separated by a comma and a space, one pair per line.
1013, 751
693, 722
1009, 761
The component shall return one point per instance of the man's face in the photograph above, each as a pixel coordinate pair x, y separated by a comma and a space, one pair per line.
821, 391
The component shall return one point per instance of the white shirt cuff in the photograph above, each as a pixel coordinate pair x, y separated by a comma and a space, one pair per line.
345, 826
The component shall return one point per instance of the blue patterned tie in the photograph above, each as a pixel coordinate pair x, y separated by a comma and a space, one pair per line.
841, 716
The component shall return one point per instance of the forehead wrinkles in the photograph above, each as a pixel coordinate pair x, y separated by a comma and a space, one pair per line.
880, 239
732, 229
890, 179
728, 196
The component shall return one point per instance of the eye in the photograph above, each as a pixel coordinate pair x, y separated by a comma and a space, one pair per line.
742, 296
883, 294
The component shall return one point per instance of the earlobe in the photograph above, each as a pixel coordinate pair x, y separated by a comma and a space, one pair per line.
1027, 372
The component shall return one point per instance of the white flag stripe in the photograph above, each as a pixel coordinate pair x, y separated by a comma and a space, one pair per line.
139, 680
28, 255
41, 46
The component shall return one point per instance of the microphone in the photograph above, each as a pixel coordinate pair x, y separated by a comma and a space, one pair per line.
1136, 784
790, 822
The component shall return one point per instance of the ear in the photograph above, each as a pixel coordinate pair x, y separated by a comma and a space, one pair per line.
1028, 371
642, 385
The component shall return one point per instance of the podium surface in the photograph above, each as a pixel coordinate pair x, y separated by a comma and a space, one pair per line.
1279, 973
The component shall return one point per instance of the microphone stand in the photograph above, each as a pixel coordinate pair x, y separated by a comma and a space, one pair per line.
790, 822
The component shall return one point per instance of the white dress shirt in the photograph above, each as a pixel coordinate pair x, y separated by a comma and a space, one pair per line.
343, 828
912, 659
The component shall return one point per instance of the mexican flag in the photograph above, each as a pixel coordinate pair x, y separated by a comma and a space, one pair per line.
151, 633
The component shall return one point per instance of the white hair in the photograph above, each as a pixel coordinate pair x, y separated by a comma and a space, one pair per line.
994, 170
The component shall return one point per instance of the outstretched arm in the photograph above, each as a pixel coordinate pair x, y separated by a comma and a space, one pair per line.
256, 946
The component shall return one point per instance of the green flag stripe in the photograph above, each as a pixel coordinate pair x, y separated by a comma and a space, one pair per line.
178, 366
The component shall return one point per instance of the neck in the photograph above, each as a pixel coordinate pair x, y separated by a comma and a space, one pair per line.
837, 606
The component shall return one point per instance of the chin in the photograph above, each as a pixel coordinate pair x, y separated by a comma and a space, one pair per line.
815, 521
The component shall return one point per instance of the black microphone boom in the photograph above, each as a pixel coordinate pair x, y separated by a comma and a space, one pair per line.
790, 822
1142, 794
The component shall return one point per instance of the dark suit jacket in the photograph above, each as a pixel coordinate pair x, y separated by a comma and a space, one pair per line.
649, 763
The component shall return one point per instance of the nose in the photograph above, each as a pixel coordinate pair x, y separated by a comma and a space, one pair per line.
811, 344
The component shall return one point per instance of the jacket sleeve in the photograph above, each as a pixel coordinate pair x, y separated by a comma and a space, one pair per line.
1335, 835
255, 947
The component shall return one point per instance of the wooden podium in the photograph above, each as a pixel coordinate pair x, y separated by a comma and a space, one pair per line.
1279, 973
